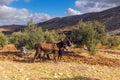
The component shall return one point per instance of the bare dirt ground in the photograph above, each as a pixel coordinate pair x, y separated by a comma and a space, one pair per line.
76, 64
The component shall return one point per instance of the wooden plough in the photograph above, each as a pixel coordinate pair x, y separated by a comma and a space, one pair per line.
26, 53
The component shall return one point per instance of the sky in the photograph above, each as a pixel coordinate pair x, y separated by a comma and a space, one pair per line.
21, 11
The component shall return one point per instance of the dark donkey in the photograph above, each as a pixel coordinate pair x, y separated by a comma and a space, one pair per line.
51, 47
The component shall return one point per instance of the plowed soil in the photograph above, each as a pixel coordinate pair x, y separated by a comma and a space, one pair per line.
75, 55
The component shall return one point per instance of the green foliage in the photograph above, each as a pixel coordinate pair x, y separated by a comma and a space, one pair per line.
50, 36
91, 40
33, 34
60, 36
113, 41
89, 34
3, 39
101, 33
19, 39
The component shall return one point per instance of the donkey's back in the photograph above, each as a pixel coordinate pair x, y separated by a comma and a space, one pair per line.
46, 46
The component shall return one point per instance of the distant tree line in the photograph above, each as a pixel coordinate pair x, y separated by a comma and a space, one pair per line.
89, 34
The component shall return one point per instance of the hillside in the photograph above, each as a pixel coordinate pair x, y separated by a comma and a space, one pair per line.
8, 29
110, 17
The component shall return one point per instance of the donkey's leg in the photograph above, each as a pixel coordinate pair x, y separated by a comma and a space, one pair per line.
58, 54
61, 53
37, 54
48, 57
54, 55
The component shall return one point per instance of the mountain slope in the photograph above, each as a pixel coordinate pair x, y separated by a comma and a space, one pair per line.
8, 29
110, 17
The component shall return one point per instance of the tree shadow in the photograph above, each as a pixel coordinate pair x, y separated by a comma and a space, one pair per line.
13, 56
18, 54
30, 60
74, 78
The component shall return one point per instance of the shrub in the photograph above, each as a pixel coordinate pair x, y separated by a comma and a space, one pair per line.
101, 33
89, 34
60, 36
19, 39
113, 41
91, 41
50, 36
33, 34
3, 40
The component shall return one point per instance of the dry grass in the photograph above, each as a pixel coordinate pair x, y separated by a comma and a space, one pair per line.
61, 71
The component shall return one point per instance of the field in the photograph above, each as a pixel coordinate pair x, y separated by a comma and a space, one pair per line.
76, 64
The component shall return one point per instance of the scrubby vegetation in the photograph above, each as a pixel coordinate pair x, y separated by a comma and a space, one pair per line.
3, 39
91, 34
33, 34
113, 41
88, 34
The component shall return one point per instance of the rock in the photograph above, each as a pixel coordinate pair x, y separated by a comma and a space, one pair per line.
60, 74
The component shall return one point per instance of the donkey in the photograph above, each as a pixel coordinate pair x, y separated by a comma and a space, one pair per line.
51, 48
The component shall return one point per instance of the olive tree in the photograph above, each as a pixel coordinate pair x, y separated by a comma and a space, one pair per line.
3, 39
20, 39
89, 34
33, 34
